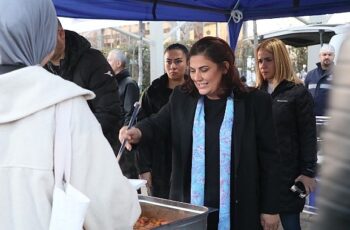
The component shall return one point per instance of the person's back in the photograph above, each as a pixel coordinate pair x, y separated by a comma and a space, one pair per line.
319, 80
28, 99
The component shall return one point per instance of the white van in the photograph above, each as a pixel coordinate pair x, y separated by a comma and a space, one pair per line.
312, 36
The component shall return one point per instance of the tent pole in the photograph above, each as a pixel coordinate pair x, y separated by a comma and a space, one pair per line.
140, 79
234, 29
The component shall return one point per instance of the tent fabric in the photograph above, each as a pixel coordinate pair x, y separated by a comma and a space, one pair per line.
197, 10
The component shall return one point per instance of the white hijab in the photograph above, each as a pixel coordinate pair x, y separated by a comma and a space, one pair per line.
28, 31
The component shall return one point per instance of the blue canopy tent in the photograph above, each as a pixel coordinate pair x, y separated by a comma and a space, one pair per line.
232, 11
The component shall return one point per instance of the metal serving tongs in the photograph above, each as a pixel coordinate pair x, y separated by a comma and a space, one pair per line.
137, 107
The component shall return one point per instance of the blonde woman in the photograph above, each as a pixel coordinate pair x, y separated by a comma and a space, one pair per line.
295, 125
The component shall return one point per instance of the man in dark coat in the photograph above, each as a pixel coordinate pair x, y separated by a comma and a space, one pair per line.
76, 61
128, 89
319, 80
129, 93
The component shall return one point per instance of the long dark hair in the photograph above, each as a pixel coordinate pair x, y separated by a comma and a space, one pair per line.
219, 52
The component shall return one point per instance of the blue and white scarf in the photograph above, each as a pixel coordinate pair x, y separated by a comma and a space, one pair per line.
198, 160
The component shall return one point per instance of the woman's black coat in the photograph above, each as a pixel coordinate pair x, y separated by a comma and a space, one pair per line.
155, 157
295, 124
256, 161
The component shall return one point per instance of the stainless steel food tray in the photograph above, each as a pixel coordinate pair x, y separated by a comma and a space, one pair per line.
179, 215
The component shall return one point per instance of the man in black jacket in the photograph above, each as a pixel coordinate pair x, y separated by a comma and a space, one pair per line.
319, 80
129, 93
76, 61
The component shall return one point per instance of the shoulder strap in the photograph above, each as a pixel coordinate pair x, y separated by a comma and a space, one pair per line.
62, 145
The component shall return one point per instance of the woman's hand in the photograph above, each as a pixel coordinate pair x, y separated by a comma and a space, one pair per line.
148, 177
309, 183
132, 136
270, 221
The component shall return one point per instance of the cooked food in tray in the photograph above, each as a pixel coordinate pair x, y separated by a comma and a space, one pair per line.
145, 223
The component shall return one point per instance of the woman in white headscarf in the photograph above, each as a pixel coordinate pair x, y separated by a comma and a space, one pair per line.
28, 98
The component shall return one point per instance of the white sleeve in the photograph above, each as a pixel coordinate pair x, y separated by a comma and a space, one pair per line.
96, 172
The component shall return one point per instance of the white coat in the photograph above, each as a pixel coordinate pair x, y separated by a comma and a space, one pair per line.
27, 125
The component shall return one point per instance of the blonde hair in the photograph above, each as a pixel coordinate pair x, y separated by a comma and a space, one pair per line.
283, 65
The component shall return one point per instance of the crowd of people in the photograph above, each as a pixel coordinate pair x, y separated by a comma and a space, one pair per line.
203, 136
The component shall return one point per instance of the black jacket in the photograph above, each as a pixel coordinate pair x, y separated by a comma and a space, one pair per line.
129, 92
89, 69
155, 96
295, 124
155, 156
256, 162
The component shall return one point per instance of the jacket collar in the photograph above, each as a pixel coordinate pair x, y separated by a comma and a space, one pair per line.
28, 85
161, 82
75, 46
122, 74
282, 86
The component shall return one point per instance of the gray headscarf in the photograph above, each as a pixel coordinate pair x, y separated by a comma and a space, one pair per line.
28, 31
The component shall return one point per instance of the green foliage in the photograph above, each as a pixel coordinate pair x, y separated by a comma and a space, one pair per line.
244, 49
300, 55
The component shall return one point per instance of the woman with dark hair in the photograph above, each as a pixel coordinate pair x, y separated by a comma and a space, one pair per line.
295, 124
224, 152
154, 158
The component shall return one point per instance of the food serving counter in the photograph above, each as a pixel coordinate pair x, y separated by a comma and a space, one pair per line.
173, 214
